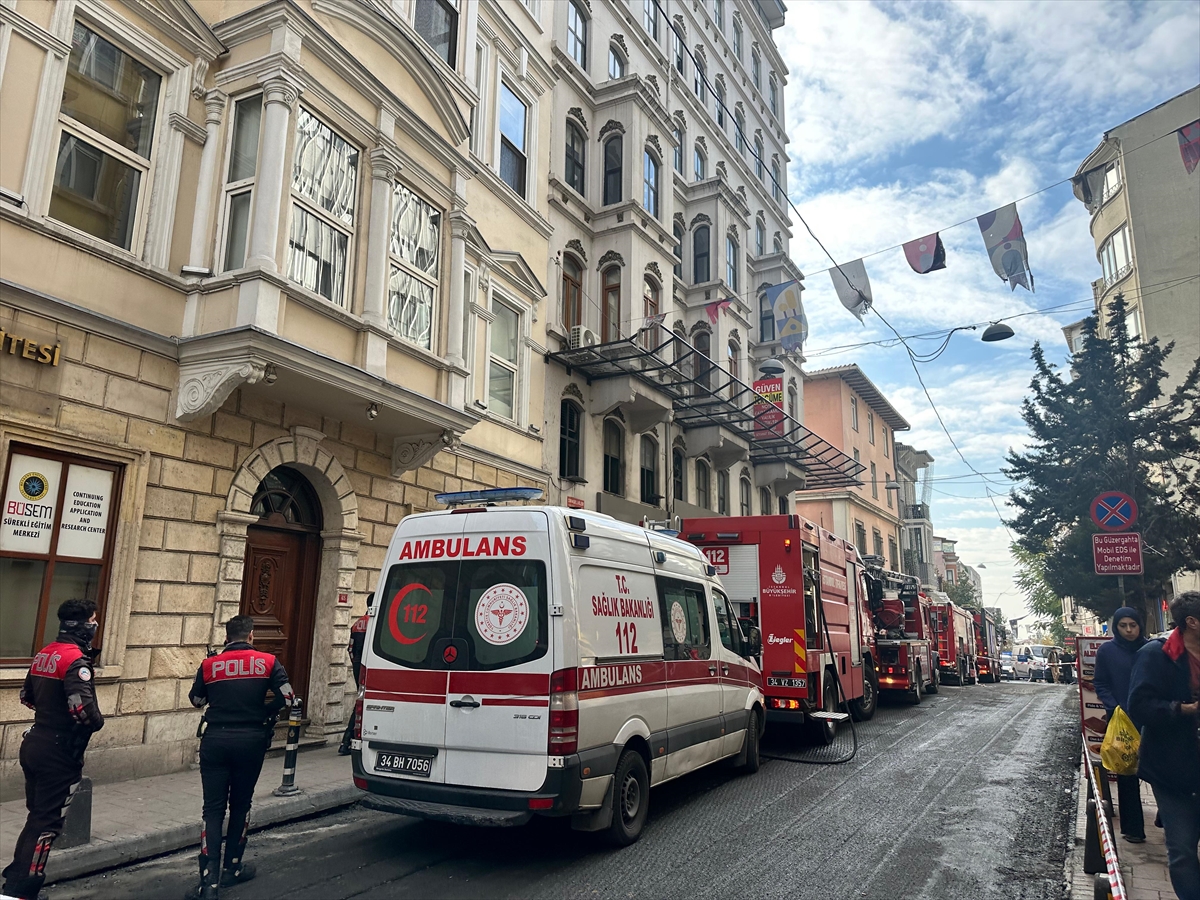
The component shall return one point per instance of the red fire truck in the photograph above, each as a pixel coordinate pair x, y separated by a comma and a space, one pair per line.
904, 660
802, 587
987, 648
955, 631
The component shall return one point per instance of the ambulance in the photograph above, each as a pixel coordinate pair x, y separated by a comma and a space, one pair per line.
534, 660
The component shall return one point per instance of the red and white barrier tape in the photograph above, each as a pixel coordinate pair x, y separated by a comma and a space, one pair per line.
1116, 885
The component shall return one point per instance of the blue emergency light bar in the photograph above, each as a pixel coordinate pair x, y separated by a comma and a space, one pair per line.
495, 495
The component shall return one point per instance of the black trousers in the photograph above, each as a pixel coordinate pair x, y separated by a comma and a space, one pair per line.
230, 762
1129, 806
53, 766
348, 734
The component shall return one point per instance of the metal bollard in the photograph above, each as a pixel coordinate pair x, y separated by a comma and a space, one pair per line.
288, 786
1093, 852
77, 830
1101, 890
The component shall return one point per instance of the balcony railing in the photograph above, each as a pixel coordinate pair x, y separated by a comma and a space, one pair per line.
917, 511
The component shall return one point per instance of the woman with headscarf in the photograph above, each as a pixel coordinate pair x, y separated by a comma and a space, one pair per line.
1114, 663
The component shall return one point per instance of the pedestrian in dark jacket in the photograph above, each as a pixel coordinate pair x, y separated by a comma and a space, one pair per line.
1114, 663
358, 638
1164, 702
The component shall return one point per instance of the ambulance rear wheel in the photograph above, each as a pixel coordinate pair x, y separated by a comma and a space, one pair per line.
753, 760
631, 799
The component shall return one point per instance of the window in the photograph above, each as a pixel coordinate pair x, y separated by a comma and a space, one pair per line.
677, 230
700, 269
877, 542
324, 191
612, 170
610, 318
776, 182
239, 178
723, 492
573, 165
766, 320
887, 477
756, 69
760, 237
737, 38
703, 345
793, 406
764, 501
614, 456
678, 150
1116, 256
854, 413
746, 489
650, 183
860, 537
777, 244
677, 467
415, 248
893, 556
616, 63
56, 542
109, 111
677, 52
502, 373
701, 83
477, 109
773, 95
650, 18
759, 165
719, 14
1112, 180
731, 358
728, 627
874, 482
569, 422
886, 448
437, 22
783, 505
649, 471
577, 34
703, 485
513, 117
719, 103
731, 263
699, 163
870, 426
739, 129
683, 606
572, 292
650, 305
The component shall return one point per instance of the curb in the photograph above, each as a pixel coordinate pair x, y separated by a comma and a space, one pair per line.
86, 860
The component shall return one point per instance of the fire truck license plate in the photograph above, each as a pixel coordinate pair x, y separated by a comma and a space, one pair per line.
404, 764
787, 682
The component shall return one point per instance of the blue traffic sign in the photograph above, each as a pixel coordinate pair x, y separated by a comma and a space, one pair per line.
1114, 511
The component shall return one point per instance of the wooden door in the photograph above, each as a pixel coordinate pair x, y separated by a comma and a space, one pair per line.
279, 589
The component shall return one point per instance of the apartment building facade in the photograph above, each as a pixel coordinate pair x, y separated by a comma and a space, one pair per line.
273, 276
842, 403
916, 537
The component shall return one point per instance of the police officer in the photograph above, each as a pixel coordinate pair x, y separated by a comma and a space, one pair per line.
59, 690
234, 684
358, 638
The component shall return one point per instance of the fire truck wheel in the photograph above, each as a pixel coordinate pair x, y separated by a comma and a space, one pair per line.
826, 731
752, 760
864, 707
631, 799
918, 687
934, 683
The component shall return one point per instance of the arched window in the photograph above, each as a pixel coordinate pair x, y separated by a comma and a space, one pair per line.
759, 167
700, 268
793, 403
756, 69
701, 83
577, 34
773, 95
719, 14
614, 456
573, 164
760, 237
739, 126
650, 183
677, 229
650, 18
570, 419
678, 149
650, 305
723, 492
777, 244
677, 469
731, 263
572, 292
616, 63
776, 181
703, 345
764, 502
737, 38
745, 494
649, 471
612, 170
703, 484
699, 163
766, 320
610, 312
677, 51
719, 103
732, 359
285, 499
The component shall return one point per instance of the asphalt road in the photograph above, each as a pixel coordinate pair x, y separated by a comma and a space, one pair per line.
967, 796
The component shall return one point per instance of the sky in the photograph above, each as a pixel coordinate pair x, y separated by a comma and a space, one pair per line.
906, 118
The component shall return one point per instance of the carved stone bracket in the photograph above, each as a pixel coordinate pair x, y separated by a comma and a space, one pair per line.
700, 219
653, 141
653, 269
576, 247
204, 387
573, 390
612, 125
610, 257
619, 40
413, 451
577, 114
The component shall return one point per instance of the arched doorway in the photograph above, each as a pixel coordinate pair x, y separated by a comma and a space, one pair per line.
279, 583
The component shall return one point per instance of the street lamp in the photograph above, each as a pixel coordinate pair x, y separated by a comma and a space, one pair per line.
997, 331
771, 367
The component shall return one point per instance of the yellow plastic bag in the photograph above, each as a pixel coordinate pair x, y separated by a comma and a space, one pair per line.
1119, 752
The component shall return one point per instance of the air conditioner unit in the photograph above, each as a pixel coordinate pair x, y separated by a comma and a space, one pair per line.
582, 336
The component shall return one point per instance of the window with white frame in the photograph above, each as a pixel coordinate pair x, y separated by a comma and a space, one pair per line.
759, 166
756, 69
677, 478
1116, 256
703, 484
648, 482
650, 183
737, 38
108, 115
677, 52
723, 492
324, 193
760, 237
746, 490
701, 83
854, 413
650, 18
776, 181
573, 169
502, 369
1112, 180
678, 161
739, 132
437, 22
477, 115
731, 263
612, 169
677, 230
577, 25
614, 457
699, 164
777, 243
870, 426
766, 320
764, 502
514, 126
240, 176
719, 103
415, 246
719, 14
773, 95
616, 63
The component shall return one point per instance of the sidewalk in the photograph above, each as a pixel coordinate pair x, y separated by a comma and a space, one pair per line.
1143, 866
137, 819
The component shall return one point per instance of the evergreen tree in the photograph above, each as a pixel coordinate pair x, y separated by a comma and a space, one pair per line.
963, 594
1109, 428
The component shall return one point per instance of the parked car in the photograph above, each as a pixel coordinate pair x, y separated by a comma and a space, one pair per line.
1031, 661
1007, 662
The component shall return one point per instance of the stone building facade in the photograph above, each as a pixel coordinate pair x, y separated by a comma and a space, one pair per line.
285, 261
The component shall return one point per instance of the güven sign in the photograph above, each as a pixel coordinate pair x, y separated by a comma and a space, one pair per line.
1117, 554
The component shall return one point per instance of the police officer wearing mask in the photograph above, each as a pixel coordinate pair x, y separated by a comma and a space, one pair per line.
234, 683
59, 690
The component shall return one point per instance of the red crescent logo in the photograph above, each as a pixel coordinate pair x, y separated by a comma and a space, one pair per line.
393, 614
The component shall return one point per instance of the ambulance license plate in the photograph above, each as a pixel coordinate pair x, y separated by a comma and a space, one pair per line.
403, 763
787, 682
